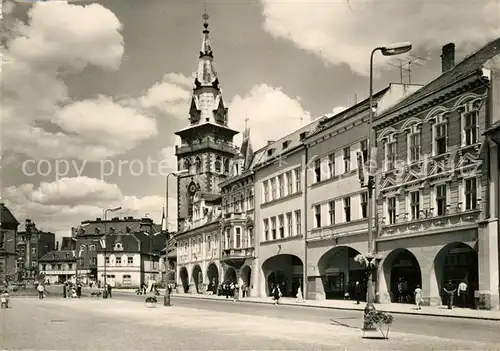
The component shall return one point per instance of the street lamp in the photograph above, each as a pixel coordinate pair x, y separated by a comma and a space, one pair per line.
103, 244
166, 298
388, 50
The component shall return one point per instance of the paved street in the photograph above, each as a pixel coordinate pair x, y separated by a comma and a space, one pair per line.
125, 323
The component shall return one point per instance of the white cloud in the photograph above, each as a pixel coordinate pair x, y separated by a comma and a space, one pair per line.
42, 119
346, 31
168, 154
60, 205
171, 95
271, 114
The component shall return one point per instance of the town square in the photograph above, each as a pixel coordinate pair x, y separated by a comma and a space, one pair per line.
255, 175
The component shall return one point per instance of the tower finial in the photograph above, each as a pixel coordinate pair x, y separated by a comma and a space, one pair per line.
205, 16
246, 121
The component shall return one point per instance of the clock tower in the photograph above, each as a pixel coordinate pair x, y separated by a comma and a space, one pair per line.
206, 148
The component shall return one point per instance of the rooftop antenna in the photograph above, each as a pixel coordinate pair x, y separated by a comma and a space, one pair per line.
406, 66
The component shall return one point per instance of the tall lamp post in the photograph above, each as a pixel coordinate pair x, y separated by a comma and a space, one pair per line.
166, 298
103, 244
389, 50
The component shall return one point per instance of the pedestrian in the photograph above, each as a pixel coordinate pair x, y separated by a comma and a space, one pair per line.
40, 289
235, 291
418, 297
401, 290
300, 297
462, 293
450, 292
276, 294
79, 290
226, 290
358, 291
65, 290
109, 290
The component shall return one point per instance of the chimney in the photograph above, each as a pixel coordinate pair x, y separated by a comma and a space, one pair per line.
447, 57
57, 245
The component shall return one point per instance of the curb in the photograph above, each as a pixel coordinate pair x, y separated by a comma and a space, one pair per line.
431, 314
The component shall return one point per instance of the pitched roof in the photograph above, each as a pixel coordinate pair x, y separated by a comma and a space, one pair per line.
284, 144
97, 228
329, 121
494, 127
6, 217
136, 242
469, 65
58, 256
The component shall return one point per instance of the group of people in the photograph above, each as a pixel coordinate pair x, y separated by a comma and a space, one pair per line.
72, 290
449, 290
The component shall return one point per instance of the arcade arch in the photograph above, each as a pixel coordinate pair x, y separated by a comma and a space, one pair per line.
230, 275
339, 272
457, 262
402, 275
198, 278
183, 275
284, 270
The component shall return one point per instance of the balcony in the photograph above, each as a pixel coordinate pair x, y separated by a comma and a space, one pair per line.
206, 144
234, 215
430, 224
237, 257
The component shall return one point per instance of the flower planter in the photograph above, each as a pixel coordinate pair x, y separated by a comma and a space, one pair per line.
380, 320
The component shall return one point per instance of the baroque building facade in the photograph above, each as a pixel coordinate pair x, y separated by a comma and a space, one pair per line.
237, 222
8, 242
437, 202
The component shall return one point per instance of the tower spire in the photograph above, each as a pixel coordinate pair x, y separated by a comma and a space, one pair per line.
206, 50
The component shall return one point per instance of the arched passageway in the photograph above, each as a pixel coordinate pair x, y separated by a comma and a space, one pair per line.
183, 274
246, 276
402, 274
213, 277
339, 273
457, 262
198, 279
230, 275
284, 270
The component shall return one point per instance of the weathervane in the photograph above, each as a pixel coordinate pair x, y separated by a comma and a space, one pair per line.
205, 14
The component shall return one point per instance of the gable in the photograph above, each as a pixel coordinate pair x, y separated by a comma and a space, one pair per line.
388, 182
469, 161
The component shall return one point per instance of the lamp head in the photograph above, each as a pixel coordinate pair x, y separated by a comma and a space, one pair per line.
396, 48
116, 208
181, 172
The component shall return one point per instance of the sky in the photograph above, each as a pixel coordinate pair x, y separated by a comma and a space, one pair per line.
92, 92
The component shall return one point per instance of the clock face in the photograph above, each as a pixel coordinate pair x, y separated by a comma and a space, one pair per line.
192, 188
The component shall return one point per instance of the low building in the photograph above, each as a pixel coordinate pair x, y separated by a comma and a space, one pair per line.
198, 245
32, 244
438, 180
57, 267
88, 234
129, 260
8, 242
237, 223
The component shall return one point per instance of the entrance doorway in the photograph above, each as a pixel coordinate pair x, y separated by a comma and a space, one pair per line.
198, 279
458, 262
183, 274
403, 274
284, 270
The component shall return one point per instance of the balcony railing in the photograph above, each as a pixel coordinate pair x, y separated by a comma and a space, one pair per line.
204, 144
237, 254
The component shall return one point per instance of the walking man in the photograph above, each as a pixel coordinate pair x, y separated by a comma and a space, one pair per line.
450, 291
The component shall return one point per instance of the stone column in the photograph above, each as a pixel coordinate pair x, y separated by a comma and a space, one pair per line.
382, 291
488, 243
430, 286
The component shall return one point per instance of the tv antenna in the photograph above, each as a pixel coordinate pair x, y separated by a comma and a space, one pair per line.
405, 65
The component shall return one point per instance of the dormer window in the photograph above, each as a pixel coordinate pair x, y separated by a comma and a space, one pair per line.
118, 246
270, 152
302, 135
285, 144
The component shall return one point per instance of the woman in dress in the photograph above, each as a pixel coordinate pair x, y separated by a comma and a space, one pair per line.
300, 297
276, 294
418, 297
